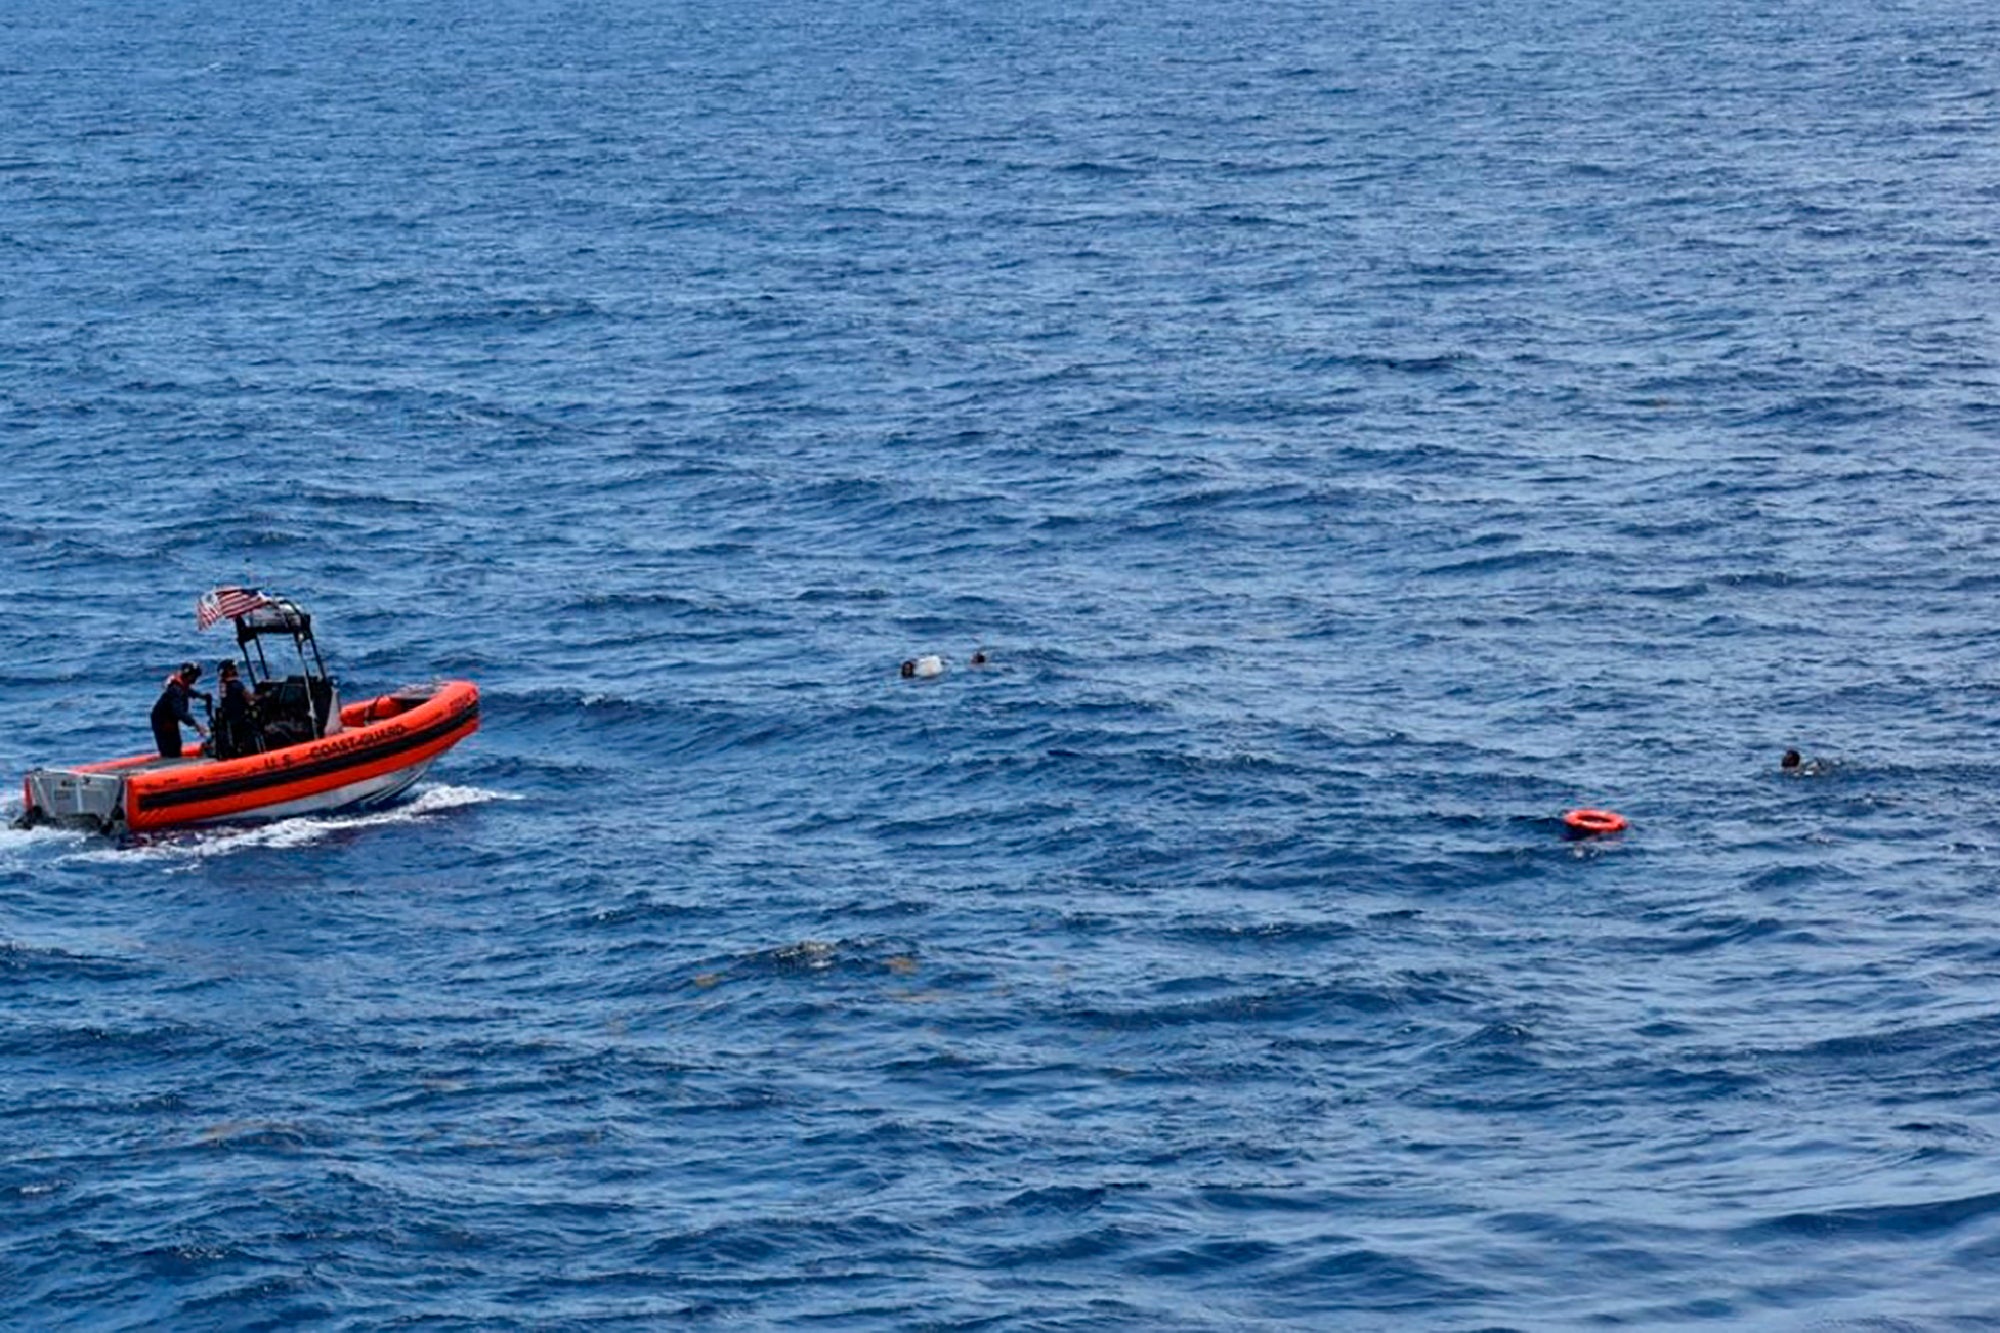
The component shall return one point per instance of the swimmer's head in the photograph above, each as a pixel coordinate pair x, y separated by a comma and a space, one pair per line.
1791, 759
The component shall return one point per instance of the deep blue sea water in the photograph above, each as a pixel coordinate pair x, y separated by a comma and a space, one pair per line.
1356, 432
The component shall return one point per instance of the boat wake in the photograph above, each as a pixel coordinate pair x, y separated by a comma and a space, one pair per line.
299, 831
15, 839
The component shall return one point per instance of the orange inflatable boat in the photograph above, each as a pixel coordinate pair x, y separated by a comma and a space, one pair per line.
308, 754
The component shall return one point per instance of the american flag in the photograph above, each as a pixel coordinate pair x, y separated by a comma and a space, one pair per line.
227, 604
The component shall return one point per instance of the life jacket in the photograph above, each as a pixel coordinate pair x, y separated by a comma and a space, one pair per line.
176, 696
175, 701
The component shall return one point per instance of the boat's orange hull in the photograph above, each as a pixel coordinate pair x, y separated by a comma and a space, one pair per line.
382, 739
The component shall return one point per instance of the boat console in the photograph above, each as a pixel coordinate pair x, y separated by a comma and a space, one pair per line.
294, 709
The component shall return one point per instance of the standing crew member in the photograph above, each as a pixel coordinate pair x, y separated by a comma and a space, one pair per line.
172, 709
235, 719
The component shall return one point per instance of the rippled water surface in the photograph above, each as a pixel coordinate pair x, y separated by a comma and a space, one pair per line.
1355, 433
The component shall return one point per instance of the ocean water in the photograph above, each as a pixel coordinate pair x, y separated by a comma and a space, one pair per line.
1356, 433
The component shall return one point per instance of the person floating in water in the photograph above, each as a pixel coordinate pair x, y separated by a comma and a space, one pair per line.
172, 709
1794, 766
923, 668
236, 732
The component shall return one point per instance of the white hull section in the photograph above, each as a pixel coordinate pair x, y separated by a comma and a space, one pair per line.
368, 791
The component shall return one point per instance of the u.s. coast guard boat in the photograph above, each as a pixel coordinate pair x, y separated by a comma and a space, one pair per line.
310, 754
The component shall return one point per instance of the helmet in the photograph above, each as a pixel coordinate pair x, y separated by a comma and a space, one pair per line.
190, 670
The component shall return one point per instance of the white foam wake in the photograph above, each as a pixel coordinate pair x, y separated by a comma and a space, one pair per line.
13, 840
281, 834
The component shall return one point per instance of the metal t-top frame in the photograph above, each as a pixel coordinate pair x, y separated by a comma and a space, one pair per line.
280, 616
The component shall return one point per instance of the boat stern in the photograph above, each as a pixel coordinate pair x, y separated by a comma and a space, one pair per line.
67, 796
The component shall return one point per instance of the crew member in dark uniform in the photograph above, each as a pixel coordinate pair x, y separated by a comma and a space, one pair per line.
236, 731
172, 710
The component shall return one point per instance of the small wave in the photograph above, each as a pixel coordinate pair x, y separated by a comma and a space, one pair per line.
859, 957
1434, 364
27, 960
1264, 935
520, 313
1885, 1220
1276, 1005
1718, 932
265, 1136
1511, 562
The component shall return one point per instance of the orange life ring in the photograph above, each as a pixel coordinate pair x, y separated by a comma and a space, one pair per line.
1589, 823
